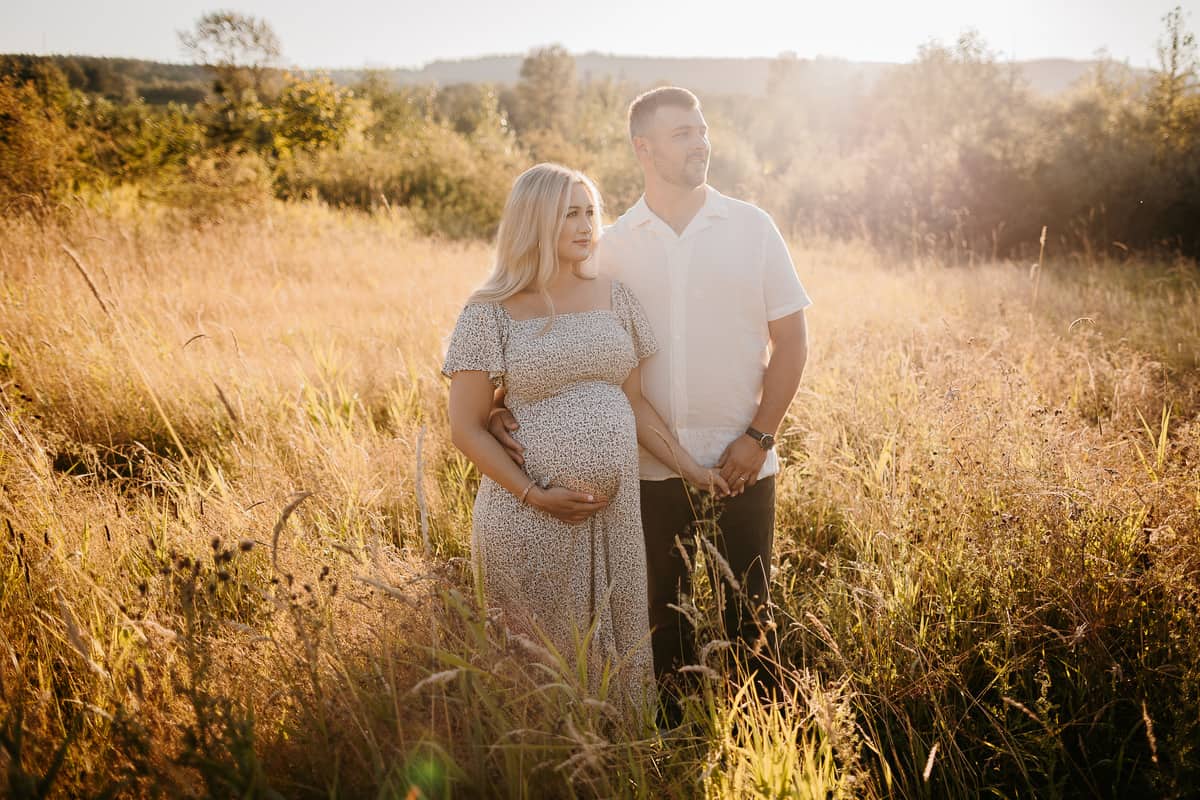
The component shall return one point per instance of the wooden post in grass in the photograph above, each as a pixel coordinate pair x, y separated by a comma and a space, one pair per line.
1036, 272
421, 493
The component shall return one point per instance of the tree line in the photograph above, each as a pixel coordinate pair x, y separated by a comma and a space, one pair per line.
951, 154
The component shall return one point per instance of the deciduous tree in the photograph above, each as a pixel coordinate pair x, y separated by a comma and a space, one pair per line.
547, 91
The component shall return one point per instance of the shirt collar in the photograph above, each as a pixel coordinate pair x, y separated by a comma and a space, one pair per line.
715, 205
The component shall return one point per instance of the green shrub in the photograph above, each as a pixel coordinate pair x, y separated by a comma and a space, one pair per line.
38, 148
450, 184
216, 186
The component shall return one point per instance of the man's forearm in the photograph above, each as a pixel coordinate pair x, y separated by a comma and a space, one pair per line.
780, 383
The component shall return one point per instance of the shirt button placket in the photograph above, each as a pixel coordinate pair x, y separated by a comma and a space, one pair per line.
679, 286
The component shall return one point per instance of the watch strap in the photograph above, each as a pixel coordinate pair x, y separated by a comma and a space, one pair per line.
765, 440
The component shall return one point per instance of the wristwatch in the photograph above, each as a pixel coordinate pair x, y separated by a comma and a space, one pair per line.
765, 440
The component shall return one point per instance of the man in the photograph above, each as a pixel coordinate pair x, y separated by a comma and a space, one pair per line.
718, 285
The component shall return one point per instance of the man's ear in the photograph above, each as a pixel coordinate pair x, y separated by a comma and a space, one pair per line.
641, 146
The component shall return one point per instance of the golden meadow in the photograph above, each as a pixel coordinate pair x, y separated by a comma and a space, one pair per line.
986, 556
234, 547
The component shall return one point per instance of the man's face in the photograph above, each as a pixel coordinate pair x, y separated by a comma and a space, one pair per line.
676, 146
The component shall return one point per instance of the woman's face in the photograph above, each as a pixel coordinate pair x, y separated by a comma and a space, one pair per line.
575, 241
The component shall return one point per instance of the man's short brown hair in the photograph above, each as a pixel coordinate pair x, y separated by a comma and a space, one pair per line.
642, 109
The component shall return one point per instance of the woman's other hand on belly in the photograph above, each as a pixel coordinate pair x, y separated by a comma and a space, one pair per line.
567, 505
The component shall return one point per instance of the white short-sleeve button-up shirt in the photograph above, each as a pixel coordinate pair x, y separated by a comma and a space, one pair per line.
709, 294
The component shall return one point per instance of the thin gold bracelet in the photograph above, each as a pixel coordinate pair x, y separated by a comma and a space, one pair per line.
525, 493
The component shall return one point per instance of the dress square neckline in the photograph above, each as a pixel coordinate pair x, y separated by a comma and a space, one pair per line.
612, 302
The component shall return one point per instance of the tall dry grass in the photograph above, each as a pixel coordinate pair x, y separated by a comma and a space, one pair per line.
987, 564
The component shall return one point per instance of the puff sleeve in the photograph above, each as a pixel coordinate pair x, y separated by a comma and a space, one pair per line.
477, 343
633, 317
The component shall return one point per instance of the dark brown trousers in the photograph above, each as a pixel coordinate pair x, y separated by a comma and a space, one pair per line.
743, 534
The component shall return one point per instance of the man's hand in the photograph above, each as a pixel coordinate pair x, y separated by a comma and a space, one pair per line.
501, 424
740, 463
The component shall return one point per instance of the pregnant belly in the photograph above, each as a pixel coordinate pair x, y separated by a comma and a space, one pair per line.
584, 441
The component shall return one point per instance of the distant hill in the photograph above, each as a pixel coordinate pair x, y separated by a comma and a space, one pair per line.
159, 82
704, 75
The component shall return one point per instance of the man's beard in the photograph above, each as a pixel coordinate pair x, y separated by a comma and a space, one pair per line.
691, 175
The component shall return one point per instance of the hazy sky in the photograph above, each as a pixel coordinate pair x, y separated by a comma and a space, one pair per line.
403, 33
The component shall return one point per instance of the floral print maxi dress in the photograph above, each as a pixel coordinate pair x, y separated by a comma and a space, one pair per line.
551, 579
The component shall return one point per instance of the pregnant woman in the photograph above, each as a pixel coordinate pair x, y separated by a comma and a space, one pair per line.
558, 541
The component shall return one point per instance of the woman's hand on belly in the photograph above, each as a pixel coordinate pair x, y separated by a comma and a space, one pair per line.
565, 504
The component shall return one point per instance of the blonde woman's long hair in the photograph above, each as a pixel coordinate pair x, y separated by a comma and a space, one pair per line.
527, 242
